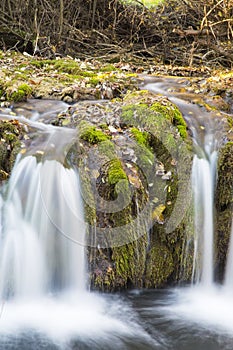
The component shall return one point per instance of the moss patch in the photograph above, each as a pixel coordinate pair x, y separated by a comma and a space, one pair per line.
10, 145
159, 266
51, 78
91, 134
116, 172
224, 204
171, 111
225, 176
21, 93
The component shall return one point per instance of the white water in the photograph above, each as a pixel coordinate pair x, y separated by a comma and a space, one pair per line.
42, 267
43, 208
205, 303
203, 180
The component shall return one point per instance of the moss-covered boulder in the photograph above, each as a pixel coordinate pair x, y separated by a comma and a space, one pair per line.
224, 204
134, 161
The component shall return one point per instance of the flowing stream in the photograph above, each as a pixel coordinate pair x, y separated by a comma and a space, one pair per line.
45, 302
205, 303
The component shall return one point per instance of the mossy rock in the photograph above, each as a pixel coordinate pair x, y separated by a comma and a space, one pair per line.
159, 266
20, 93
224, 196
91, 134
224, 204
10, 134
147, 109
123, 188
129, 263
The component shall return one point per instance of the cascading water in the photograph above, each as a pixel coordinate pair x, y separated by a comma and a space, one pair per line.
206, 134
206, 303
42, 243
44, 299
203, 181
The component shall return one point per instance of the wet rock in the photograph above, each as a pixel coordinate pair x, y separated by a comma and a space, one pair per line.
224, 205
11, 134
128, 159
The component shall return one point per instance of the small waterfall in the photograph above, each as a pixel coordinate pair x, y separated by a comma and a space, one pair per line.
43, 230
203, 180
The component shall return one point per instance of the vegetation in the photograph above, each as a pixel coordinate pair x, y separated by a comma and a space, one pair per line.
224, 201
10, 145
66, 79
90, 134
21, 93
116, 172
178, 32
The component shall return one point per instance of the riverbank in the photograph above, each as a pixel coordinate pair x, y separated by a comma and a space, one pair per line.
68, 79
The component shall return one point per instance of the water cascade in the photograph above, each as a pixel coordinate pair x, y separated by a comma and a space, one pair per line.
206, 303
44, 297
203, 181
45, 302
42, 243
207, 134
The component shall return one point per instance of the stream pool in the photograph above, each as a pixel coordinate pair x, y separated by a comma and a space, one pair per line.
139, 320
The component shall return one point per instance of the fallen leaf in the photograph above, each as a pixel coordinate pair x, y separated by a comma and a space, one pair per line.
157, 213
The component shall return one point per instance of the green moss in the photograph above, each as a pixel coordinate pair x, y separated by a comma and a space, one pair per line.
159, 266
183, 131
180, 123
143, 150
42, 63
10, 144
129, 261
140, 136
22, 93
89, 74
230, 121
108, 68
107, 149
171, 112
116, 172
91, 134
132, 113
225, 176
94, 81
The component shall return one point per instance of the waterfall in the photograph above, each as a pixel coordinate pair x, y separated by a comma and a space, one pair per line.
43, 230
203, 181
43, 298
